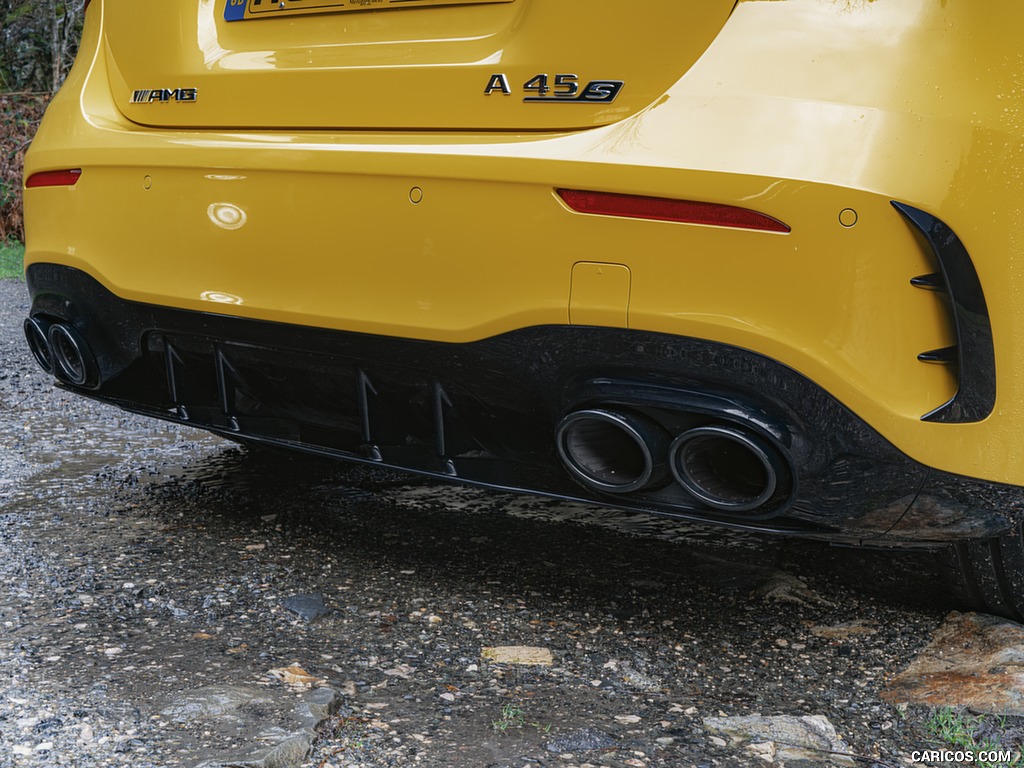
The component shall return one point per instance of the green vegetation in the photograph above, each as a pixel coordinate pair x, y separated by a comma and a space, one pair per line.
19, 117
512, 716
38, 42
11, 254
953, 727
961, 731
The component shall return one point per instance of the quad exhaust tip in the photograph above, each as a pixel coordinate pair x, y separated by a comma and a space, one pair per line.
723, 466
613, 451
37, 335
728, 469
61, 350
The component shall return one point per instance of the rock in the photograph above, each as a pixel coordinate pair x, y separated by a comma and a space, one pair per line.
292, 746
309, 607
289, 753
765, 750
583, 740
296, 677
636, 679
316, 706
811, 738
403, 671
764, 582
972, 661
213, 701
844, 631
519, 654
784, 588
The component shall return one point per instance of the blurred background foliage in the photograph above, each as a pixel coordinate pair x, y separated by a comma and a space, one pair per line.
38, 42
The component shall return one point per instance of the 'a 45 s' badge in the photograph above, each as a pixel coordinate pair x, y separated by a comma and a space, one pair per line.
561, 88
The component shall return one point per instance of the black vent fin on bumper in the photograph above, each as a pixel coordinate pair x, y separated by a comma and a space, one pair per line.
975, 353
945, 356
933, 282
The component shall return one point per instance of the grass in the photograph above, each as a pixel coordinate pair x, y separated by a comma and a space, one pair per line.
512, 716
11, 254
959, 730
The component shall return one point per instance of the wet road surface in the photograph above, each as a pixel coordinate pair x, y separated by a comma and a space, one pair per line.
157, 585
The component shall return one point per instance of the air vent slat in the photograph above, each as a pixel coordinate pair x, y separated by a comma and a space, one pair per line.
944, 356
932, 282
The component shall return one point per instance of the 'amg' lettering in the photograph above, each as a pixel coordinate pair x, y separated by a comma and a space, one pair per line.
164, 95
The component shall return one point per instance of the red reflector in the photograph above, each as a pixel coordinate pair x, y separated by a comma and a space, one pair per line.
54, 178
663, 209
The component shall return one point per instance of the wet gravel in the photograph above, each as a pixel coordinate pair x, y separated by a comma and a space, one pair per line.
157, 585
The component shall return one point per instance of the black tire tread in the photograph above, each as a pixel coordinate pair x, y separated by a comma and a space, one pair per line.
987, 575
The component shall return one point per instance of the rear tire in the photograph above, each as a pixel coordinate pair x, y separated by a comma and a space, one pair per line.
988, 574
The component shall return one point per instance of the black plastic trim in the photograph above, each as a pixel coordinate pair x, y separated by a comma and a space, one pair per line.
932, 282
944, 356
975, 397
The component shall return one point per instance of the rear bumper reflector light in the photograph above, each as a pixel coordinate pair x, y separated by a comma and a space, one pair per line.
66, 178
664, 209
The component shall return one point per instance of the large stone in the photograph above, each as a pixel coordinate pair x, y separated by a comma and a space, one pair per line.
518, 654
811, 738
215, 701
973, 661
244, 706
845, 631
764, 582
288, 753
309, 607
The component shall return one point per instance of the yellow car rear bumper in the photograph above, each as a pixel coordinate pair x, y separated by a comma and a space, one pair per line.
448, 239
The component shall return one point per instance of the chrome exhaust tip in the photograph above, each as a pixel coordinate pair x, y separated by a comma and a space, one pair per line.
73, 361
613, 451
36, 334
726, 468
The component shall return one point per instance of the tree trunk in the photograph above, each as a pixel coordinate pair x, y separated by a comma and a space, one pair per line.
55, 55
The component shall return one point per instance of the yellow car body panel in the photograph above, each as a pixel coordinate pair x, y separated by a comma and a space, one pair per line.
366, 172
403, 67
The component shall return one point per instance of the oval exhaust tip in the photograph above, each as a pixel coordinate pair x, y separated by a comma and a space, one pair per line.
611, 451
726, 468
73, 361
36, 330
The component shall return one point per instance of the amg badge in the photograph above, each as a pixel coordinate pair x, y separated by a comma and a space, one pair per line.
164, 95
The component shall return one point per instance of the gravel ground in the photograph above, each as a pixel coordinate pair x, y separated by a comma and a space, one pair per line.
171, 599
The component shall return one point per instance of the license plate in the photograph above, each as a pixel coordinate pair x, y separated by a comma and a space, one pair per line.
244, 10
